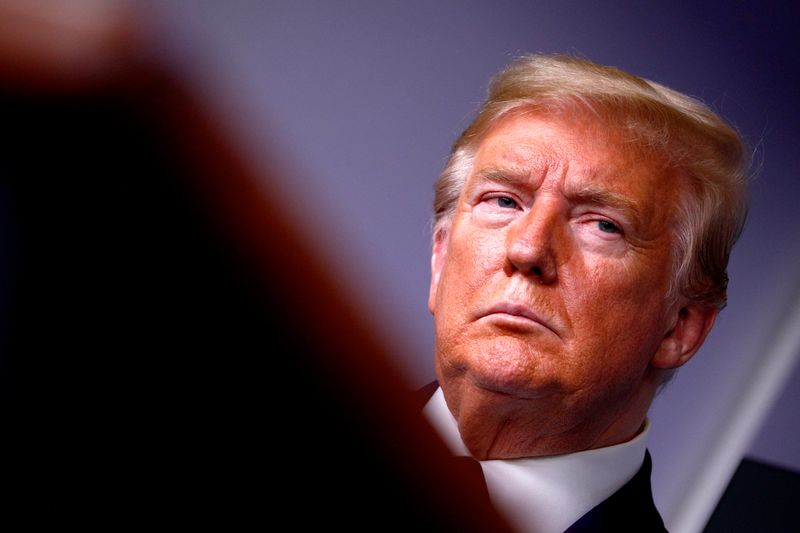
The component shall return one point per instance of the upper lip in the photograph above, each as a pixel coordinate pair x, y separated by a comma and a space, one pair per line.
521, 310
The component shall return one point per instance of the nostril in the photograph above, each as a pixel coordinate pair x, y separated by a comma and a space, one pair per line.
536, 271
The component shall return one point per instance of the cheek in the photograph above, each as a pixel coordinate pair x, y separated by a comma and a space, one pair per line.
472, 259
631, 284
616, 310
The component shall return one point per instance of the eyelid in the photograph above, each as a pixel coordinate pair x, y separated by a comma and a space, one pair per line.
601, 213
493, 195
596, 217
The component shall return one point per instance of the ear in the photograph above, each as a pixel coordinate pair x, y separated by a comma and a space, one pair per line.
438, 254
680, 343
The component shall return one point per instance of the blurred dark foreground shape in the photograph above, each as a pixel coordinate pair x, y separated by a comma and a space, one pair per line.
173, 351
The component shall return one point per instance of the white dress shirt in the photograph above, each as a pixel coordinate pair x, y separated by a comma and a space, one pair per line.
546, 494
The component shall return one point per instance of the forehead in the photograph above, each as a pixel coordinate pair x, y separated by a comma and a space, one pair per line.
527, 141
575, 154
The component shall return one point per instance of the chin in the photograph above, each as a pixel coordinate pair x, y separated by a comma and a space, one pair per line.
509, 367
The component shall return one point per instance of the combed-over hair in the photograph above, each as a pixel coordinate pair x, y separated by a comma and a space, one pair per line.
693, 141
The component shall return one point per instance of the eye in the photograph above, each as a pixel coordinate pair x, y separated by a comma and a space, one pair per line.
506, 202
498, 207
607, 227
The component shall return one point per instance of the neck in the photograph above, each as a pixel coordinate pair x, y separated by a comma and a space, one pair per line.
496, 426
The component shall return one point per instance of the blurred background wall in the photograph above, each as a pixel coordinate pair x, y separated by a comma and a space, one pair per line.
363, 99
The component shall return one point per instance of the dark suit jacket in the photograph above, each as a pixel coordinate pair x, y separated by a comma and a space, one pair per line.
631, 508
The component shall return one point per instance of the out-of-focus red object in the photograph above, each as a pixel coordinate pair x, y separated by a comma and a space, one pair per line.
174, 347
65, 46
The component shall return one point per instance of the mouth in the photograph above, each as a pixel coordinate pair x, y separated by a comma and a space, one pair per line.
518, 316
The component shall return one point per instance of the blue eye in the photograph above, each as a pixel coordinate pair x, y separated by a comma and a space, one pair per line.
506, 202
607, 227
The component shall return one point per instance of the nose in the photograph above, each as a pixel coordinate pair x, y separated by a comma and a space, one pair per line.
531, 243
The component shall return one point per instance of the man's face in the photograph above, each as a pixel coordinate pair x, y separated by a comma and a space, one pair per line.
548, 289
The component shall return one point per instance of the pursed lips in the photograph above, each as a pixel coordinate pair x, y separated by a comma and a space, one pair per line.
520, 311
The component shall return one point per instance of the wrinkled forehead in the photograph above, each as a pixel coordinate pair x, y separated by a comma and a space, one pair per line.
530, 140
640, 132
579, 156
616, 126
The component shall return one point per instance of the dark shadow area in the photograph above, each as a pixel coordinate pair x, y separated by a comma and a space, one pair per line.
173, 350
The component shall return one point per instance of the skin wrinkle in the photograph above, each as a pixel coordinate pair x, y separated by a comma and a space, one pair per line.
516, 388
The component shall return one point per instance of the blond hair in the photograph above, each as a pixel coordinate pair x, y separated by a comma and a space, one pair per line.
692, 139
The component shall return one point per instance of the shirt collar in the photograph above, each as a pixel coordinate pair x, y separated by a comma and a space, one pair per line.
544, 494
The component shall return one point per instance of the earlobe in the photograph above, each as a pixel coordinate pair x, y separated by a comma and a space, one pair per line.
693, 323
438, 254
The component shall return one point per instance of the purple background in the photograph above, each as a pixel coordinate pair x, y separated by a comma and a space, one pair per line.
363, 100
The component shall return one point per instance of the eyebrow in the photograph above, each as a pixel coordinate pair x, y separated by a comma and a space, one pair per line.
504, 175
